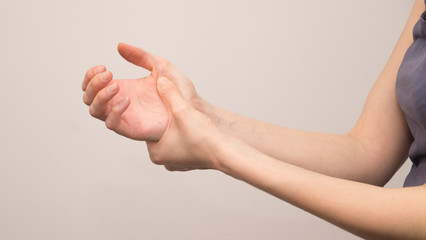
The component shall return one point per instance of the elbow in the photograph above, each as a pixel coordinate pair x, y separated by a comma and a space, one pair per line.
376, 161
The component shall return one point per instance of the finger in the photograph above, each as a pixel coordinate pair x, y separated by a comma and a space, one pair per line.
95, 85
90, 74
170, 95
137, 56
98, 108
170, 168
113, 120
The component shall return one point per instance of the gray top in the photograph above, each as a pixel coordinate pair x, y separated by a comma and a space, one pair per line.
411, 94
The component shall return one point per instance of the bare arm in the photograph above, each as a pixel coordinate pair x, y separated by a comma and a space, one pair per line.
371, 152
192, 141
365, 210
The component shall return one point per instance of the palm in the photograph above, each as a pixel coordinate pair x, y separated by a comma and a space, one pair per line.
146, 118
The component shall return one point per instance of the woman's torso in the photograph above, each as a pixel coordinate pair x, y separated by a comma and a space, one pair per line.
411, 94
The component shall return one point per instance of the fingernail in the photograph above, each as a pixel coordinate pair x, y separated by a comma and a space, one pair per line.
162, 81
104, 76
111, 88
99, 69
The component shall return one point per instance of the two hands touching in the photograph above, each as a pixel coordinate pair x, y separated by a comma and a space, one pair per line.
159, 109
317, 172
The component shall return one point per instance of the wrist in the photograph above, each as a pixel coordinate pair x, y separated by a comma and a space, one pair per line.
226, 152
209, 110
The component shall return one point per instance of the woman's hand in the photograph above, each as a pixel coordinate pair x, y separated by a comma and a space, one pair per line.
132, 107
191, 140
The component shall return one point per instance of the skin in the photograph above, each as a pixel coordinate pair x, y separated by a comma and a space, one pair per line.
336, 177
132, 107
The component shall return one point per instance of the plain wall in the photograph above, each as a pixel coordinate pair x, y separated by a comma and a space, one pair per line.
302, 64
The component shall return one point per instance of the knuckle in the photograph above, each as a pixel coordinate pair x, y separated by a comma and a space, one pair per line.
96, 70
95, 81
101, 97
88, 74
86, 100
109, 125
92, 111
115, 111
169, 168
156, 159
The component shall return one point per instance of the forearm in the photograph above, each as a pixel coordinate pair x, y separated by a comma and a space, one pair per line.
372, 152
337, 155
368, 211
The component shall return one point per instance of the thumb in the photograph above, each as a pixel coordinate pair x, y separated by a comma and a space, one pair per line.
170, 94
136, 55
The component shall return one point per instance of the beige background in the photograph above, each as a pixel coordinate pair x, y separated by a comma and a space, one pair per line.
302, 64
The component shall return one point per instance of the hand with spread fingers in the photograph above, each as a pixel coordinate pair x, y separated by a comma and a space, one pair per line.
132, 107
